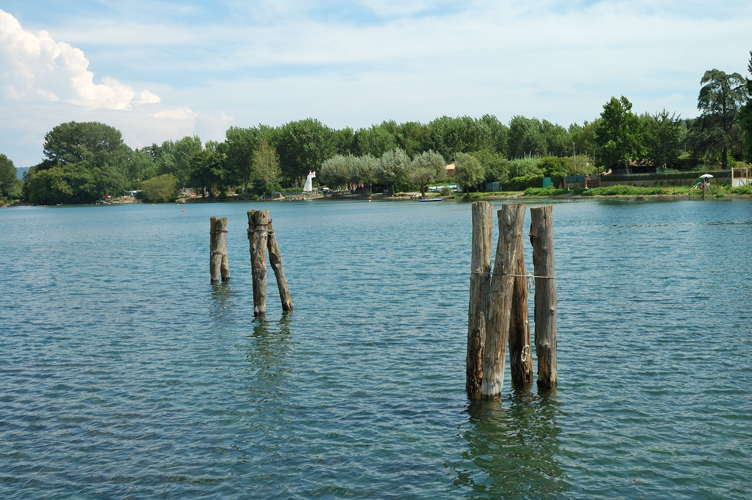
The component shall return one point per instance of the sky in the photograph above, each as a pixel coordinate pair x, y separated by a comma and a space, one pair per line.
160, 70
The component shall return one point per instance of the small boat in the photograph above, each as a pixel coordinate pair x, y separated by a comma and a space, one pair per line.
430, 199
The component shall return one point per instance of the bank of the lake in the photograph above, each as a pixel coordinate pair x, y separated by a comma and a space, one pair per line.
127, 375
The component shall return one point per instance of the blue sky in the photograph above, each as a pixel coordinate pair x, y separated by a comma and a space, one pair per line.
160, 70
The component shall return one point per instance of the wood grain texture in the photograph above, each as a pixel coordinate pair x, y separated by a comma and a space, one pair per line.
542, 238
480, 282
258, 224
520, 353
509, 247
218, 265
275, 259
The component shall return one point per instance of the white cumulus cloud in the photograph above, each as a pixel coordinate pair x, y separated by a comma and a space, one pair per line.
35, 67
180, 114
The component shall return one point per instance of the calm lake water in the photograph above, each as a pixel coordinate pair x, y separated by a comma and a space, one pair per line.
125, 374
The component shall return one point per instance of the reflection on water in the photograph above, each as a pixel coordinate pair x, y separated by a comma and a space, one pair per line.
222, 299
514, 446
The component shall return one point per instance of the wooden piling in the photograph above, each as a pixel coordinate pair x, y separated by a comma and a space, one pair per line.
275, 259
218, 265
508, 248
542, 238
520, 354
480, 282
258, 224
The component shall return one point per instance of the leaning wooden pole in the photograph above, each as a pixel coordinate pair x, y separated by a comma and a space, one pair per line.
520, 354
542, 238
258, 224
480, 282
508, 248
218, 265
275, 259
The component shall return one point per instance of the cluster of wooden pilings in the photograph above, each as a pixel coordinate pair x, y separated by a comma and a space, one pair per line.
498, 314
261, 237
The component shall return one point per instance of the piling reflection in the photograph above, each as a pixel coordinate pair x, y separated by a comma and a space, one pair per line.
222, 299
268, 356
513, 447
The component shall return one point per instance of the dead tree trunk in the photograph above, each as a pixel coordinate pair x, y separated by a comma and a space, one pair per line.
258, 224
480, 282
542, 238
520, 355
218, 249
508, 248
275, 259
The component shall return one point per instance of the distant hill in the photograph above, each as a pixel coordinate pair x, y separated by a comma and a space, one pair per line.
20, 171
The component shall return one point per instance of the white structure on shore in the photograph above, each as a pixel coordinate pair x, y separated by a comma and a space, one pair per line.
309, 182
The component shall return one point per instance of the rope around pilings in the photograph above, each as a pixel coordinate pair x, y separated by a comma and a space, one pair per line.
530, 277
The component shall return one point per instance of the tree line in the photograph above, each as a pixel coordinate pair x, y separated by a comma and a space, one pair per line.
85, 161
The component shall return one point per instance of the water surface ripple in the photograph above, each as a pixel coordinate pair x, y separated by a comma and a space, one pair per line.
125, 374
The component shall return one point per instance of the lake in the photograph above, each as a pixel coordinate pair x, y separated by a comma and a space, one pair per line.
125, 374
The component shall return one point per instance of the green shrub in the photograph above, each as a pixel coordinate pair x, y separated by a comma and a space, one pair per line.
522, 183
549, 191
160, 189
625, 191
740, 190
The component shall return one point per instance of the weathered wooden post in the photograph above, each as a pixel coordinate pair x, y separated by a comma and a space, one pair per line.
218, 264
520, 355
542, 238
508, 248
275, 259
258, 223
480, 282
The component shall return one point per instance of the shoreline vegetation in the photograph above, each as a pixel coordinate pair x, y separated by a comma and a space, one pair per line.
87, 162
677, 193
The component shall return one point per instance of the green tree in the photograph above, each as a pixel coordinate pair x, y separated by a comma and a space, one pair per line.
364, 171
374, 141
583, 137
336, 171
661, 138
207, 170
468, 172
266, 171
526, 137
181, 156
302, 147
618, 133
719, 101
8, 179
86, 161
745, 113
91, 142
425, 168
495, 165
160, 189
393, 170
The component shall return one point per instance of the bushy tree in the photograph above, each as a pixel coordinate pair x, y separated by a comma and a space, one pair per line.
425, 168
303, 146
661, 138
266, 171
583, 137
83, 162
618, 133
495, 165
526, 137
182, 153
8, 179
207, 170
160, 189
336, 171
394, 169
719, 101
468, 172
745, 113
